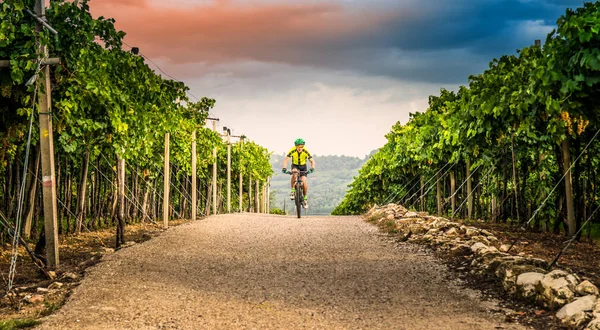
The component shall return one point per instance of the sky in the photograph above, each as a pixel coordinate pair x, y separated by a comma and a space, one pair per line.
337, 73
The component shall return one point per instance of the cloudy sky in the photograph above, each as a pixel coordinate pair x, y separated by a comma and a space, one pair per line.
338, 73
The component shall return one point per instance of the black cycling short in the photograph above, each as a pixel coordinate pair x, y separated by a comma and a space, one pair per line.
300, 168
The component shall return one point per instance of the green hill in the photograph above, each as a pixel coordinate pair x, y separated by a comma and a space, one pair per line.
326, 187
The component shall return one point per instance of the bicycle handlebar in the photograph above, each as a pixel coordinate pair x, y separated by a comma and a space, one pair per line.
299, 172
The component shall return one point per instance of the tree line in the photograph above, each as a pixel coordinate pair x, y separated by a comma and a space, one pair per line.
107, 105
518, 144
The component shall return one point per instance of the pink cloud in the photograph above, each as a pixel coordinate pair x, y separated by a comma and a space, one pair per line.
222, 31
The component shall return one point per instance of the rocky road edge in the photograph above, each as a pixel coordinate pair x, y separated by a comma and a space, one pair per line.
576, 300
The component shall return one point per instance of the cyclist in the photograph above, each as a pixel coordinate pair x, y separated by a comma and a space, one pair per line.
299, 155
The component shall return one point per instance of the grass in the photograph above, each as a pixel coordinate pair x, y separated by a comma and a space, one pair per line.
18, 324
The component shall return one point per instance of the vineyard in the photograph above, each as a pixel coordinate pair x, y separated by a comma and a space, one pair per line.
110, 112
518, 145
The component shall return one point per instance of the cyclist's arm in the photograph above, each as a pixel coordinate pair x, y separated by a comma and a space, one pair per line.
312, 162
285, 161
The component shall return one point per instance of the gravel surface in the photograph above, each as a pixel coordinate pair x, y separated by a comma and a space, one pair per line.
264, 271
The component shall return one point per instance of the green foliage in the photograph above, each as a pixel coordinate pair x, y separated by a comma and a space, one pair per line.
106, 101
18, 324
526, 103
277, 210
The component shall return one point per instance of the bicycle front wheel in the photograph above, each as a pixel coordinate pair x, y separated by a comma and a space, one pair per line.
299, 198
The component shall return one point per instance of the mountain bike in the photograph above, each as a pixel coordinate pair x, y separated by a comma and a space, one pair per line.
299, 191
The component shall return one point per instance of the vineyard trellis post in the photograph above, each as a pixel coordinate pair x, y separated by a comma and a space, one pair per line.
167, 182
256, 197
452, 190
228, 132
194, 178
250, 203
241, 174
469, 189
214, 175
47, 146
268, 195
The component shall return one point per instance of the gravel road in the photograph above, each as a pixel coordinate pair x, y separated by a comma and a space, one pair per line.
257, 271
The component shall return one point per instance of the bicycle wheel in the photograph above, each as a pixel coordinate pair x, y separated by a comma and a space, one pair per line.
299, 198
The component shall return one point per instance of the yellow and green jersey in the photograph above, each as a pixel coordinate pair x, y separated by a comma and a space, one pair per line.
299, 158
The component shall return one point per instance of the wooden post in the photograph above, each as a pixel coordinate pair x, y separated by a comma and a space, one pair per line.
571, 223
121, 202
47, 153
250, 200
194, 195
228, 171
241, 176
167, 183
268, 195
439, 194
214, 176
469, 190
264, 197
256, 197
452, 190
422, 193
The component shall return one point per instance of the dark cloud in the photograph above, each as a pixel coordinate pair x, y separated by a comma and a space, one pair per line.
442, 41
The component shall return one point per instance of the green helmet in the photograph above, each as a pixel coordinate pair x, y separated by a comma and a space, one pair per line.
299, 142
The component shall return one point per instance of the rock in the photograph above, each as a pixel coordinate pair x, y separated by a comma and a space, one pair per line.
526, 284
55, 285
486, 233
411, 215
490, 250
417, 229
509, 273
52, 274
586, 288
556, 289
597, 307
42, 290
462, 249
578, 312
504, 248
107, 250
452, 232
478, 246
71, 276
595, 324
481, 239
35, 299
470, 232
433, 231
427, 237
388, 217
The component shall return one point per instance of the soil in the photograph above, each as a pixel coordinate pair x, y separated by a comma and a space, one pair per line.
77, 253
267, 271
404, 285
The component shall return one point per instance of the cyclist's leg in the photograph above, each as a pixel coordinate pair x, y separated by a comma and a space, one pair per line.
304, 185
293, 181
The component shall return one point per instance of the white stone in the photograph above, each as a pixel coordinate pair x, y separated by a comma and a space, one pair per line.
55, 285
586, 288
42, 290
72, 276
470, 232
595, 324
452, 232
478, 246
486, 233
556, 289
527, 282
411, 215
577, 312
504, 248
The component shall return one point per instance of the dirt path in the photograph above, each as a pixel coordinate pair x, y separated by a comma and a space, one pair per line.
263, 271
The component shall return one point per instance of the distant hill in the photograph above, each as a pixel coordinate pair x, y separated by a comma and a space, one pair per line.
326, 187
